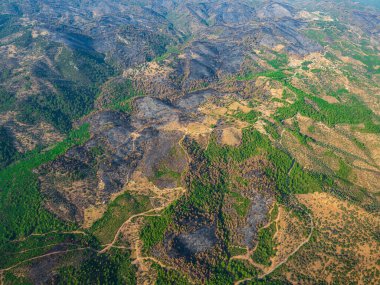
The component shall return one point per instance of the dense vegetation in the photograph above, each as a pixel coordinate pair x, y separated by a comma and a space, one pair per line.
241, 204
266, 246
280, 60
20, 200
353, 112
23, 249
119, 95
115, 268
169, 277
169, 51
7, 99
76, 82
288, 175
8, 151
240, 269
117, 213
8, 25
154, 229
249, 117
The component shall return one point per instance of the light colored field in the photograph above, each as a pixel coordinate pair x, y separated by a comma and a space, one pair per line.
231, 136
343, 248
329, 136
291, 235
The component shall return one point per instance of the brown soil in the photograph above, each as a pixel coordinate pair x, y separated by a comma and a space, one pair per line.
343, 232
231, 136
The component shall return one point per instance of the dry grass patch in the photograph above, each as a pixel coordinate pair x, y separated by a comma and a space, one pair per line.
330, 99
212, 109
93, 214
344, 248
239, 106
231, 136
367, 179
291, 232
371, 143
300, 152
329, 136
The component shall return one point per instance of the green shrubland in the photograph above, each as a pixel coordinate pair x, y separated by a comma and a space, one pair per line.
118, 211
21, 205
114, 268
266, 245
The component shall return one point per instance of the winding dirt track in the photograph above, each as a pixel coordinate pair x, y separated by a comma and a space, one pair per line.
124, 225
170, 195
40, 247
131, 230
43, 255
269, 270
293, 252
132, 226
167, 195
48, 233
46, 255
